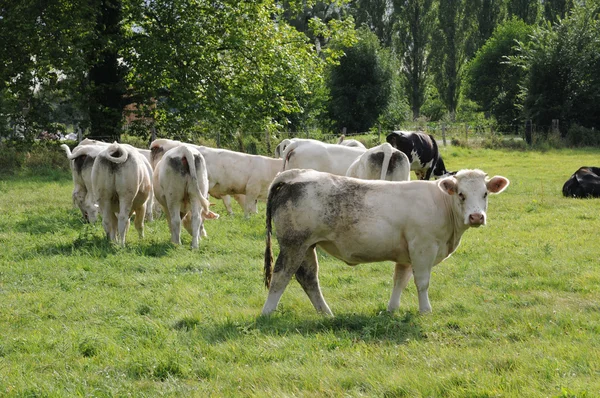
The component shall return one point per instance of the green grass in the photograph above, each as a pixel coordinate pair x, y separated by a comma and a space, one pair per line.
516, 309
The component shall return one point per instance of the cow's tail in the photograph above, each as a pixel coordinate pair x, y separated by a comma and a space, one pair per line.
116, 153
189, 158
287, 153
268, 273
387, 155
67, 150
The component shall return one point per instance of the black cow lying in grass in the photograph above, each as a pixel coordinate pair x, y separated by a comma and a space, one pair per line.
584, 183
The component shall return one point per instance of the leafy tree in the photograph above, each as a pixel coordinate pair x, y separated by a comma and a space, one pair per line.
454, 29
106, 73
377, 15
360, 85
561, 64
556, 9
493, 83
416, 22
527, 10
488, 14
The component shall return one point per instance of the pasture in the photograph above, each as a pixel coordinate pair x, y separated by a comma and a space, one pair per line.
516, 309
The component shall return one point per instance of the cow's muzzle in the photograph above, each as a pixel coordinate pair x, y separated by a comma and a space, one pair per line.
476, 219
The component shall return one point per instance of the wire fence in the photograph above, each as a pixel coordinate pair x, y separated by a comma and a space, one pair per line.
264, 142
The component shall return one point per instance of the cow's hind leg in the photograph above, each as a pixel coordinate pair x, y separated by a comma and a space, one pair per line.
124, 222
307, 276
140, 215
286, 266
402, 275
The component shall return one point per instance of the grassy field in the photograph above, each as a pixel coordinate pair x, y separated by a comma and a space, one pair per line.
516, 309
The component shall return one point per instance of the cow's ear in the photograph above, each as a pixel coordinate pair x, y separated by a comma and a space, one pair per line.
497, 184
448, 185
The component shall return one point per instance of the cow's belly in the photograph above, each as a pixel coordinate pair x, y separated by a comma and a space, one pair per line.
368, 248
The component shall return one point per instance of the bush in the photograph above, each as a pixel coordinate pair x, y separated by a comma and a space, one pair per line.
41, 157
581, 136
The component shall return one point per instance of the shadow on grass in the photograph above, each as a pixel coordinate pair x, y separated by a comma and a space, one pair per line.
49, 222
93, 242
398, 329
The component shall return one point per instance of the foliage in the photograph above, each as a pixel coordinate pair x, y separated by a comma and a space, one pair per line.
579, 136
492, 82
414, 27
454, 30
360, 85
561, 64
515, 313
526, 10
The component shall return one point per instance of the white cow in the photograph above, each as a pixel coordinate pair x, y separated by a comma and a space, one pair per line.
415, 224
122, 183
81, 160
158, 148
352, 143
87, 142
181, 187
382, 162
280, 148
330, 158
233, 173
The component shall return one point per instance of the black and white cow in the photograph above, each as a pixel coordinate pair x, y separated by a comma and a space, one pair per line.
422, 152
584, 183
415, 224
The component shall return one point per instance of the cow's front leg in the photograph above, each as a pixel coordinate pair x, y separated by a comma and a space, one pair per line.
402, 274
307, 276
227, 202
422, 273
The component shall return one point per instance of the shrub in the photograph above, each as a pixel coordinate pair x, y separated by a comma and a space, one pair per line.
581, 136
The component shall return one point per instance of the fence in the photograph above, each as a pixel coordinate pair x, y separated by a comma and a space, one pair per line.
264, 143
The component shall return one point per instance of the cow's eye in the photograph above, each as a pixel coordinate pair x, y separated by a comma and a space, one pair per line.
462, 196
485, 195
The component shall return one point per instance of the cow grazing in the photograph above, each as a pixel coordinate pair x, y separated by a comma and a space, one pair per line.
382, 162
330, 158
351, 143
584, 183
422, 152
81, 161
122, 184
234, 173
415, 224
181, 187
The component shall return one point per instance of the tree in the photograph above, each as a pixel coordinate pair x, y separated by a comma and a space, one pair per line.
416, 22
455, 27
359, 85
527, 10
492, 82
554, 10
561, 63
106, 74
377, 15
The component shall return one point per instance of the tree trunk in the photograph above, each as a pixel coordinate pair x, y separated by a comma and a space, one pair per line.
106, 75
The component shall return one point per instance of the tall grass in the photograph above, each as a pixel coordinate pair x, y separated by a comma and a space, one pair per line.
516, 310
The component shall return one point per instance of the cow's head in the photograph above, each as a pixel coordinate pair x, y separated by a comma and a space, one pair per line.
469, 191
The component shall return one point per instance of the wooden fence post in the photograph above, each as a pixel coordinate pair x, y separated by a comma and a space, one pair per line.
268, 139
444, 133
